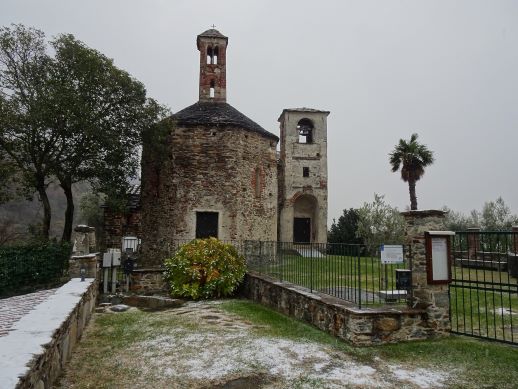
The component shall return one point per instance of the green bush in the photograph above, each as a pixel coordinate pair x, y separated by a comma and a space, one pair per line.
28, 267
205, 268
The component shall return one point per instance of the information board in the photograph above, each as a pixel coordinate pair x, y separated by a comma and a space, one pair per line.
391, 253
440, 264
438, 256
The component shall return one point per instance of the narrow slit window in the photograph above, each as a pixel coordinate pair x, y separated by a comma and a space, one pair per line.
305, 171
210, 55
212, 89
215, 55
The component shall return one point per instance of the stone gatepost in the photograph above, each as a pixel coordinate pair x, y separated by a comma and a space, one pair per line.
84, 256
430, 297
473, 242
84, 242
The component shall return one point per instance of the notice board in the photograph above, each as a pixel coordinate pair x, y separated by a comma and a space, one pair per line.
438, 257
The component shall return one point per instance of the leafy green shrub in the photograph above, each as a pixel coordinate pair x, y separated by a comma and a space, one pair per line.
27, 267
205, 268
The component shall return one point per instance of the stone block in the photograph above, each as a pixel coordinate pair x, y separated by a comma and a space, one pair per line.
387, 324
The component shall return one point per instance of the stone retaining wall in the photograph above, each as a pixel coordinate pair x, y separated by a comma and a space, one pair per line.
148, 281
41, 343
361, 327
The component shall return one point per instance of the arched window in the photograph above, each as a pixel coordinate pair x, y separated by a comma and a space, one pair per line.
212, 89
257, 182
215, 55
210, 54
305, 129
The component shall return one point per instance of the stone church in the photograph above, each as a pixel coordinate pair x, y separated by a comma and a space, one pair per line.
224, 176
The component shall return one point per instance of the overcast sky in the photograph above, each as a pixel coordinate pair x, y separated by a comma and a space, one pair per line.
447, 70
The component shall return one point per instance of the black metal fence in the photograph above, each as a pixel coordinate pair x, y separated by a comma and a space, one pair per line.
484, 288
347, 271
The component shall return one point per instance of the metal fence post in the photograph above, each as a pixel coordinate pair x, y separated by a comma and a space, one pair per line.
311, 274
359, 279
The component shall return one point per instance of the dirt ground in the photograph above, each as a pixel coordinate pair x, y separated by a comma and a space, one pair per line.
200, 345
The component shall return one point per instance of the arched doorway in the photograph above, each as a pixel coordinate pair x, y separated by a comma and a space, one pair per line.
305, 216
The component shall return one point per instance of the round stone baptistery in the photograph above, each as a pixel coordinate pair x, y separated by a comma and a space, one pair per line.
219, 175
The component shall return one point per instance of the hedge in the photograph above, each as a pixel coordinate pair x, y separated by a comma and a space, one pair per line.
28, 267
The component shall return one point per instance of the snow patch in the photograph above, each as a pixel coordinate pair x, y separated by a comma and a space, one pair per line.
34, 330
214, 356
423, 378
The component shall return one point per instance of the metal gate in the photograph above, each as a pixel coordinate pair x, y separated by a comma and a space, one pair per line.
484, 287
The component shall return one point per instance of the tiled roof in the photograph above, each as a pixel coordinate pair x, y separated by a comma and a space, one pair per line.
218, 115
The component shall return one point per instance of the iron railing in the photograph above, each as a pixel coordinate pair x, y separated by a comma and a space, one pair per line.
347, 271
484, 288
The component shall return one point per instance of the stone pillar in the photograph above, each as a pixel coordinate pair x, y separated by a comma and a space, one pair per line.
84, 240
84, 255
433, 298
90, 262
473, 242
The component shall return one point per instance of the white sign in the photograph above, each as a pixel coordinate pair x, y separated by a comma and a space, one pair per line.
391, 253
439, 259
107, 260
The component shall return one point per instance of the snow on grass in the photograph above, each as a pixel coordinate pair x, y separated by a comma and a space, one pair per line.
213, 356
208, 345
423, 378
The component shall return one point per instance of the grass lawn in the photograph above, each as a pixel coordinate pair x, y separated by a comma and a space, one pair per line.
240, 344
476, 363
482, 307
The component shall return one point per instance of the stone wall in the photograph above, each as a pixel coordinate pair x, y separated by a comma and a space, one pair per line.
433, 298
36, 362
209, 169
148, 281
360, 327
118, 224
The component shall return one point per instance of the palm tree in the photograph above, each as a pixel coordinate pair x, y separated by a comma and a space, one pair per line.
412, 157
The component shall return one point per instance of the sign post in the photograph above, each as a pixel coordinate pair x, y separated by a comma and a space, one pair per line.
390, 254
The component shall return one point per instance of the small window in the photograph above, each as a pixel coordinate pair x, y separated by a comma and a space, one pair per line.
305, 130
305, 172
212, 89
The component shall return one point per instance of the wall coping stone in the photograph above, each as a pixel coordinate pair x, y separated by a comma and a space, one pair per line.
424, 213
92, 255
149, 270
31, 336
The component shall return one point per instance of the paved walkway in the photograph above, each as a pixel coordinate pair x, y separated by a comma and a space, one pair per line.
12, 309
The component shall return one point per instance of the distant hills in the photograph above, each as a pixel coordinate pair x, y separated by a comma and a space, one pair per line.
20, 215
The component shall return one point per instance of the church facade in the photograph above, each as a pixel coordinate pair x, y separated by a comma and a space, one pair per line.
223, 176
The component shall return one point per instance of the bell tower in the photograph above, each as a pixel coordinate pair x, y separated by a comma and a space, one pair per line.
213, 79
303, 176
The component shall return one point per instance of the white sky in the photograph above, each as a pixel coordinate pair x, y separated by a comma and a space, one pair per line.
445, 69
